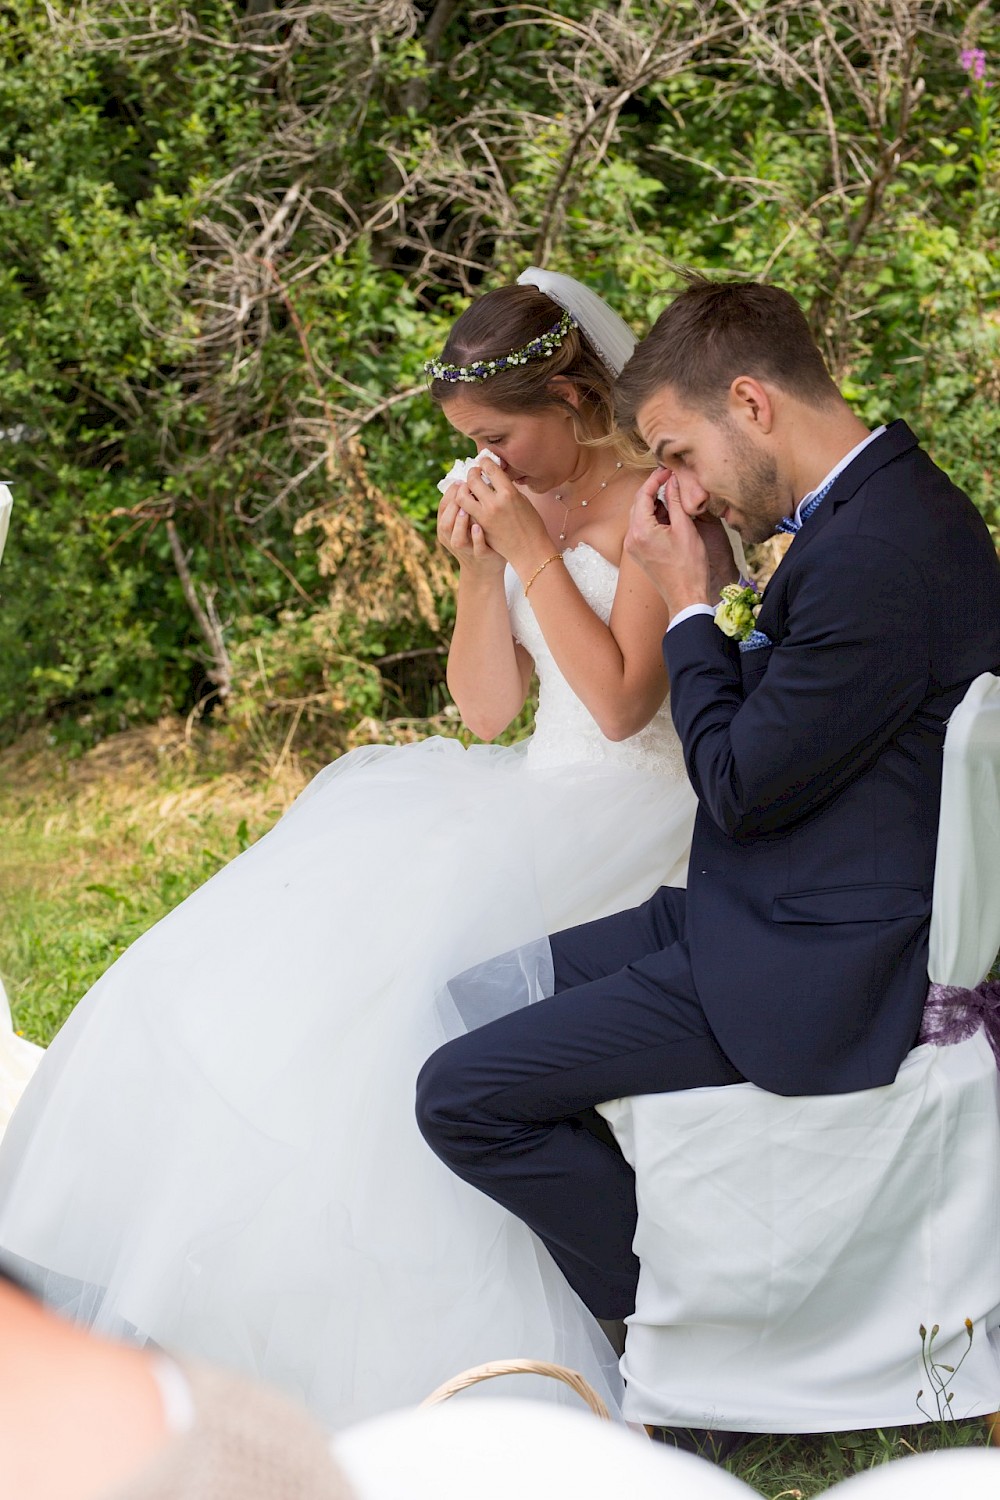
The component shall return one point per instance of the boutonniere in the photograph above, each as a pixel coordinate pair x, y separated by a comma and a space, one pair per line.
736, 616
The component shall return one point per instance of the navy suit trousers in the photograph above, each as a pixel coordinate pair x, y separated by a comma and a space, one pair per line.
509, 1107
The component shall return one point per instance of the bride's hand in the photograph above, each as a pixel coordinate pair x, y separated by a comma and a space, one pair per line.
511, 523
464, 538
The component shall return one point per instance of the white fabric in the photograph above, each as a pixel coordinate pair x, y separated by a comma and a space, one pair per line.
791, 1248
18, 1060
461, 468
736, 542
222, 1134
176, 1395
946, 1472
510, 1449
965, 930
6, 502
515, 1451
609, 334
689, 612
838, 468
565, 733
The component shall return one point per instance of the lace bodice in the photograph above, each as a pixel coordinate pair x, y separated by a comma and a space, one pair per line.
565, 733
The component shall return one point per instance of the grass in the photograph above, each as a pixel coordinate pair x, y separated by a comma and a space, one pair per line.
796, 1468
98, 848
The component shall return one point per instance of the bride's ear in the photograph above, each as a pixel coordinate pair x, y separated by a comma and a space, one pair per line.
564, 390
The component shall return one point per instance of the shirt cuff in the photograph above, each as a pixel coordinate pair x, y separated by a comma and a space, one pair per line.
690, 612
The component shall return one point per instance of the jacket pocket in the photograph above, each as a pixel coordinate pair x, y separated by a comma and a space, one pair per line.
753, 664
851, 903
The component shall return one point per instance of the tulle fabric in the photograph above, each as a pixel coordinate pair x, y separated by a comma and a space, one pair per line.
219, 1152
18, 1060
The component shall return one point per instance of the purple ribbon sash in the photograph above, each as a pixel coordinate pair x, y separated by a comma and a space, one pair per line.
952, 1014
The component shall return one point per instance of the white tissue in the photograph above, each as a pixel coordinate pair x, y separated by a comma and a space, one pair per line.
6, 501
459, 470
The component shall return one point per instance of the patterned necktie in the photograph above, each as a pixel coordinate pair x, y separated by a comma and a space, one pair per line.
757, 638
809, 508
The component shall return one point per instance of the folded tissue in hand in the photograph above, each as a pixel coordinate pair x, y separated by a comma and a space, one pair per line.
459, 470
6, 501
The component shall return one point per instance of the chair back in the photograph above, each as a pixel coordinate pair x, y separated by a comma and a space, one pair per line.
965, 907
794, 1251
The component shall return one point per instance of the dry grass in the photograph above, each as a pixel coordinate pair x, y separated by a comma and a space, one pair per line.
99, 847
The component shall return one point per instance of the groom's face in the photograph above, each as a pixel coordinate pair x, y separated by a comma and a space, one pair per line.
719, 468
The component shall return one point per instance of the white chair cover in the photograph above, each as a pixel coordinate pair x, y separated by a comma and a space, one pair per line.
965, 929
791, 1249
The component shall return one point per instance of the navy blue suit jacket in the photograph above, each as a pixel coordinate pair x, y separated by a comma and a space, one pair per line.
817, 764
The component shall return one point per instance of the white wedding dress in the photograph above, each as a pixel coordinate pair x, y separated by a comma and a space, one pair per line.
18, 1060
218, 1151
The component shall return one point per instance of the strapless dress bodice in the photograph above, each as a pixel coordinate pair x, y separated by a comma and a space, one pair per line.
565, 732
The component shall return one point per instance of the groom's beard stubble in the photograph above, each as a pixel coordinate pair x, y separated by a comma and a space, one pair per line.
756, 507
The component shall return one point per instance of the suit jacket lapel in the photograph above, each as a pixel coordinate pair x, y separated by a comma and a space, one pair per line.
896, 440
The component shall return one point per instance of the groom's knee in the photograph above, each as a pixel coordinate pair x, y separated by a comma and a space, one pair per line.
443, 1100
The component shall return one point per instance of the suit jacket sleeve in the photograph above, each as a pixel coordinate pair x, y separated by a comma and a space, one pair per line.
850, 667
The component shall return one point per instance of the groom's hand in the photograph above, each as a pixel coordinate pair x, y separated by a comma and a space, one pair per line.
670, 546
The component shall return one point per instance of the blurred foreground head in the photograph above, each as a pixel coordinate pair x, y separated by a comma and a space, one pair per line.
82, 1418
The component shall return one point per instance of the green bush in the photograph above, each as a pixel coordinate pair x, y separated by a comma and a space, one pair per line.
234, 233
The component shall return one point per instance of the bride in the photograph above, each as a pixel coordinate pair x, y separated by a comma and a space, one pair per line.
218, 1152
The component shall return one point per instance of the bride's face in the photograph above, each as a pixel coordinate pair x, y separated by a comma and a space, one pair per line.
538, 448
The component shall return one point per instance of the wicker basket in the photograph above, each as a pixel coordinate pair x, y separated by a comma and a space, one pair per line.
497, 1367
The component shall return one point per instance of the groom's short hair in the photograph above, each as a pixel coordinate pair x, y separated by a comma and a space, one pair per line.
715, 331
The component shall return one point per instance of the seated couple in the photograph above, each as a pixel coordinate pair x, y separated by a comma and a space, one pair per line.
219, 1152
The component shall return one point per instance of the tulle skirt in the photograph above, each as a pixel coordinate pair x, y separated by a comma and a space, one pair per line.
218, 1152
18, 1060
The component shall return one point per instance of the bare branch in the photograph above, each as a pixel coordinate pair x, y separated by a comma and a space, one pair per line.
220, 672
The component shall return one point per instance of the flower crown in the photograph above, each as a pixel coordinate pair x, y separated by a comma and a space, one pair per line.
481, 369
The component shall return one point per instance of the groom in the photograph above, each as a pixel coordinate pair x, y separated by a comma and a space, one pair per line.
797, 956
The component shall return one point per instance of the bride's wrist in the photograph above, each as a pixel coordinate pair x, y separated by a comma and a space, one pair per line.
481, 573
528, 578
534, 557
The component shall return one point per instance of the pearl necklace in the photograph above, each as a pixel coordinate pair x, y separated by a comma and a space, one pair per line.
582, 504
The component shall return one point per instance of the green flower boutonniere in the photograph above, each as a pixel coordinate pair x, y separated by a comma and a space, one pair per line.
736, 616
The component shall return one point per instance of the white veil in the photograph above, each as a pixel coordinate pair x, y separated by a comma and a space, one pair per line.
610, 335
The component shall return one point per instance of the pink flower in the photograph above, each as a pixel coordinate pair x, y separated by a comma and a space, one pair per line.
972, 60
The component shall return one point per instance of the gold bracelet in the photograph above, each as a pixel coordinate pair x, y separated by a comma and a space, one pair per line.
556, 557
